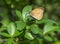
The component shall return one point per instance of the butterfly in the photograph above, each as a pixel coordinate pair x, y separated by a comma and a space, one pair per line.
37, 13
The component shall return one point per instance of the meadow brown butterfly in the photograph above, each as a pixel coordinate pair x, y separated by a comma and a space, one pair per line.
37, 13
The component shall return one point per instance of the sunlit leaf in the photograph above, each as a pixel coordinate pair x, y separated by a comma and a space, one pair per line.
11, 29
25, 12
49, 28
29, 36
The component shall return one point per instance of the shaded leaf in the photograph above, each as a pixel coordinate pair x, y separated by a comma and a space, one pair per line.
35, 41
5, 34
45, 21
48, 38
40, 41
35, 29
18, 13
17, 33
20, 25
9, 41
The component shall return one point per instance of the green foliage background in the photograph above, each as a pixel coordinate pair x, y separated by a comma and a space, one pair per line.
18, 27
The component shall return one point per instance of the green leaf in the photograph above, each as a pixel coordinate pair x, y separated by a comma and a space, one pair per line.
35, 41
49, 28
58, 30
25, 12
35, 29
11, 29
9, 41
48, 38
5, 34
20, 25
5, 22
29, 36
45, 21
17, 33
18, 13
2, 28
25, 42
40, 41
15, 42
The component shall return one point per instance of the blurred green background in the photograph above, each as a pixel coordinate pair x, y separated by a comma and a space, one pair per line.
14, 30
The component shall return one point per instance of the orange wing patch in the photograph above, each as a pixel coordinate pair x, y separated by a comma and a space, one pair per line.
37, 13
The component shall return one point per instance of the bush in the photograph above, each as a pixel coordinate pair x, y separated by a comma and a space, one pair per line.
17, 26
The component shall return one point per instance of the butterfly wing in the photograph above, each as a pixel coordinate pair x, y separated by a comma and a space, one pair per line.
37, 13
